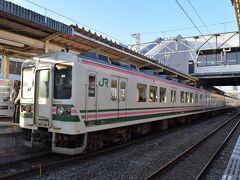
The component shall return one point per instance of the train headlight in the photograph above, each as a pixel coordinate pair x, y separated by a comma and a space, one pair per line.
60, 110
27, 108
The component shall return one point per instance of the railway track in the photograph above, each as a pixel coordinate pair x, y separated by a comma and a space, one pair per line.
193, 162
39, 165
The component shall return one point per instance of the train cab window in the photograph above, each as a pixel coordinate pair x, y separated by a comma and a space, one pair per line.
162, 96
43, 83
91, 85
141, 92
187, 97
123, 91
191, 97
196, 98
114, 90
182, 96
173, 95
62, 81
153, 94
27, 82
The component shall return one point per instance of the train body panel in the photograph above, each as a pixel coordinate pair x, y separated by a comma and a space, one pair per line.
73, 95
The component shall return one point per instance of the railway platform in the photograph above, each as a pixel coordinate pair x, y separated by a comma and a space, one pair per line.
232, 170
8, 127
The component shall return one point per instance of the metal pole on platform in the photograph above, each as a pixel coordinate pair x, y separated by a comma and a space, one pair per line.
5, 65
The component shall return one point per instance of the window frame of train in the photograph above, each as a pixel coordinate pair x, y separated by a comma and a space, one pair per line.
153, 89
118, 88
91, 85
173, 95
187, 97
27, 84
57, 83
201, 98
114, 88
144, 97
182, 96
162, 95
191, 97
196, 98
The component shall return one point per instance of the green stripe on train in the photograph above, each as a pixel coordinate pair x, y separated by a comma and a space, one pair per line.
69, 105
131, 118
26, 115
132, 109
67, 118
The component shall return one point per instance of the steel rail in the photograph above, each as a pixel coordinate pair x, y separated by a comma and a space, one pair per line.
216, 152
167, 165
41, 166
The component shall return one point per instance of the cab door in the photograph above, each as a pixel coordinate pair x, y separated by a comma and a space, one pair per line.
43, 98
91, 96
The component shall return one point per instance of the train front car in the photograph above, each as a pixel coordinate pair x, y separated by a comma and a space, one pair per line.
48, 114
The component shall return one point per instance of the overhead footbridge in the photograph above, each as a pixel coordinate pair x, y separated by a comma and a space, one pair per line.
25, 33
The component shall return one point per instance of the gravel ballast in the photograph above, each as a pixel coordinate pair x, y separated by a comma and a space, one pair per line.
140, 160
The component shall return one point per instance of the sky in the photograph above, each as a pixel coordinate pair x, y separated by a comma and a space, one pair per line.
151, 18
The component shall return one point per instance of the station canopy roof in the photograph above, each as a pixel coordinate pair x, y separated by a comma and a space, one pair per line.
25, 33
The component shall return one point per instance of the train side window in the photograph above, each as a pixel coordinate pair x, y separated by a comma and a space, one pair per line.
196, 98
187, 97
201, 98
206, 99
114, 90
153, 94
123, 91
173, 95
191, 97
162, 96
141, 92
91, 85
182, 96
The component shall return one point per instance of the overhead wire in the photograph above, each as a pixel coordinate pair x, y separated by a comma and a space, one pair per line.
187, 28
192, 21
199, 17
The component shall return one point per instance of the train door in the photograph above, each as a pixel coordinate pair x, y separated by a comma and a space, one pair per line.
122, 97
173, 98
91, 95
118, 96
43, 98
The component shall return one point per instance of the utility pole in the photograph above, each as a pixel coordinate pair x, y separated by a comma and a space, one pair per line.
137, 37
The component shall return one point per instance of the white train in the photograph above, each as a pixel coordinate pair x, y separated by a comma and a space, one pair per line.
77, 102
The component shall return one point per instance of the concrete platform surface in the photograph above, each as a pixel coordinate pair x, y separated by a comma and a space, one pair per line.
232, 171
8, 127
